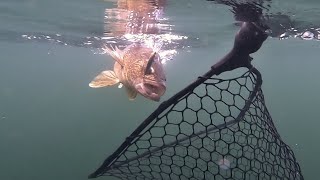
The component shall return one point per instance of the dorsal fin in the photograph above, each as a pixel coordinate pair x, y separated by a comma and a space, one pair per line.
115, 53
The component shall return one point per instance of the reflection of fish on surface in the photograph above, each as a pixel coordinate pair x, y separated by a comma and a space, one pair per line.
138, 67
134, 17
141, 21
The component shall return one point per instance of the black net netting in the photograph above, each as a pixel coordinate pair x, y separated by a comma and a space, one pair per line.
216, 128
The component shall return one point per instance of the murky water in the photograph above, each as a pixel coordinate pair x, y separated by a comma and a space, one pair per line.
54, 126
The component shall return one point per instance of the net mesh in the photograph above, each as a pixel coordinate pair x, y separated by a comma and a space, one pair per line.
219, 129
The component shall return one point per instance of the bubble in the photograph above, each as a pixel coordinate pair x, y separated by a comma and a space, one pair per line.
284, 36
224, 164
268, 31
106, 38
307, 35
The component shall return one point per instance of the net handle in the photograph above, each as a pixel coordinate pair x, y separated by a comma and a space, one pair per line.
248, 40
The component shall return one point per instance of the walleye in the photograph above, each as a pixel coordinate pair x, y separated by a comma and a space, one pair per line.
138, 68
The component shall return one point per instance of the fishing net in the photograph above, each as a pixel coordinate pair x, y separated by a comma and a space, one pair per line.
219, 129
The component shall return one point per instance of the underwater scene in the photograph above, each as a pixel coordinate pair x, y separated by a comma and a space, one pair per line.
159, 89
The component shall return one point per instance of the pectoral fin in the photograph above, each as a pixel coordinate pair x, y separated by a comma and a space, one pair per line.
105, 78
132, 93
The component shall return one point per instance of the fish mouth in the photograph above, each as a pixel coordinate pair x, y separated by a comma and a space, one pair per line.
151, 90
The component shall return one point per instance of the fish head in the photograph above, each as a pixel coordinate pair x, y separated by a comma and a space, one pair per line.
152, 83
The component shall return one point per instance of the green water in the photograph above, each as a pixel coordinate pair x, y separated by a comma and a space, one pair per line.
290, 72
54, 127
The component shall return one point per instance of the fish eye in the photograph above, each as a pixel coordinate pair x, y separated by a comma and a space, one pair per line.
149, 70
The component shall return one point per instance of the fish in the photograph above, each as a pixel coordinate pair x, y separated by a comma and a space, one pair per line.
138, 68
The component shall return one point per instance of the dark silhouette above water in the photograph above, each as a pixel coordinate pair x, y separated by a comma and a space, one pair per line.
281, 25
